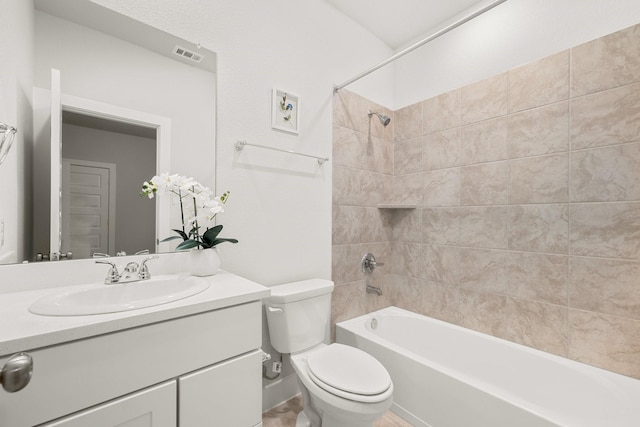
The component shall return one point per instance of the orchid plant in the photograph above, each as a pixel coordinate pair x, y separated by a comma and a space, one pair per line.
198, 207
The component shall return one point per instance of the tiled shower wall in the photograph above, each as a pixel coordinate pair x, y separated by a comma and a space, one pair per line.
362, 179
527, 187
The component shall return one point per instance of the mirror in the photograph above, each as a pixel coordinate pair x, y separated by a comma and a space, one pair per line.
110, 59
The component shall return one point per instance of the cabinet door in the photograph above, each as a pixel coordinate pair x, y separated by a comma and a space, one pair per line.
153, 407
228, 394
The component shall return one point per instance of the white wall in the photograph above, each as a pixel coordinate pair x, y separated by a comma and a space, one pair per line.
16, 51
512, 34
280, 206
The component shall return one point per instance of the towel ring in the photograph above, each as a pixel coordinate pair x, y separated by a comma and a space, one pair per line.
8, 134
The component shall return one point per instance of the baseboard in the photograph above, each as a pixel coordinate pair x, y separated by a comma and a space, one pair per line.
278, 392
407, 416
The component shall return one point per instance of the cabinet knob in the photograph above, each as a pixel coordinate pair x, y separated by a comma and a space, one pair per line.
16, 373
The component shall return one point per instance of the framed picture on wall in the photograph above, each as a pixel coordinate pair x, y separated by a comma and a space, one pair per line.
285, 108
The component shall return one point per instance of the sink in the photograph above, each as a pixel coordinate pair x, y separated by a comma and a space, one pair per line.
101, 298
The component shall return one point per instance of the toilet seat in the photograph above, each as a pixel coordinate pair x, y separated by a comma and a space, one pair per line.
349, 373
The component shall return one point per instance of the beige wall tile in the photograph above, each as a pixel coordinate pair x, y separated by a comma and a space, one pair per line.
538, 277
442, 187
346, 261
605, 341
484, 184
483, 269
441, 226
539, 228
606, 229
441, 112
606, 174
408, 259
350, 111
408, 122
385, 284
484, 227
355, 187
407, 156
407, 224
606, 62
408, 189
606, 118
543, 130
542, 179
360, 151
484, 142
442, 149
497, 268
355, 224
607, 286
343, 265
482, 312
542, 82
441, 264
441, 302
484, 100
347, 301
538, 325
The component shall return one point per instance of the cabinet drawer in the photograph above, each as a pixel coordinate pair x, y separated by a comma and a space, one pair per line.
73, 376
154, 407
228, 394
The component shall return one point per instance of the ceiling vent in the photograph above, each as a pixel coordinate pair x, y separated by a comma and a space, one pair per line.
188, 54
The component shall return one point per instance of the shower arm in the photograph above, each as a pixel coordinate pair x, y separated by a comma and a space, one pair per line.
420, 43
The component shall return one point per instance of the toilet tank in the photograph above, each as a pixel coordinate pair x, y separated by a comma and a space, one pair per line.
298, 314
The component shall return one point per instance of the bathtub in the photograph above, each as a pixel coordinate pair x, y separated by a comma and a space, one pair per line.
446, 375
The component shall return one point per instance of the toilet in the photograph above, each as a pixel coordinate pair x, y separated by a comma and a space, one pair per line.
341, 385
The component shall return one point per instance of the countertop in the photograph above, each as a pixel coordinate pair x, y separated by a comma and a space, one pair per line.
21, 330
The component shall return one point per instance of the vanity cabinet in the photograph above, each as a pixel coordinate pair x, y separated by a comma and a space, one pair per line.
155, 407
194, 371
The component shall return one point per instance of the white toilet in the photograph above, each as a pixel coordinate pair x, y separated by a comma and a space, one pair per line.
341, 385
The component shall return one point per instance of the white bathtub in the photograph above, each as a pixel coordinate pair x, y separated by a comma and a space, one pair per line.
445, 375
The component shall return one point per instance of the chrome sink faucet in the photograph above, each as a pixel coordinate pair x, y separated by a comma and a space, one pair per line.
129, 272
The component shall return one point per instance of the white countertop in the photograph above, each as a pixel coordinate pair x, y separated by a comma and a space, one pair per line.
21, 330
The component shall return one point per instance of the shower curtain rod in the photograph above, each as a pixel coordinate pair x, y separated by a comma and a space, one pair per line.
422, 42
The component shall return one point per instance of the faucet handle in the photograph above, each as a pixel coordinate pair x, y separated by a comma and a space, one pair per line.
112, 275
369, 263
131, 267
144, 270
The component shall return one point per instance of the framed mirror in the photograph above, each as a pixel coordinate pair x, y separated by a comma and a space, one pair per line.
111, 60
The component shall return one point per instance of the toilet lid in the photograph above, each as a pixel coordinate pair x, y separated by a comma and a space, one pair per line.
348, 369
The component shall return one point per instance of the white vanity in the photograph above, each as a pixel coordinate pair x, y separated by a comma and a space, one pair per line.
194, 362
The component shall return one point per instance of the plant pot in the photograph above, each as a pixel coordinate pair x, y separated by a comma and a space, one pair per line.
204, 262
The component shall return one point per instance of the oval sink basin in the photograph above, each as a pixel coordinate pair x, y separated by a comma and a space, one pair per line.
101, 299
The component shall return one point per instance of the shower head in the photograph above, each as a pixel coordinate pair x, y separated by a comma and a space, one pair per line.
385, 120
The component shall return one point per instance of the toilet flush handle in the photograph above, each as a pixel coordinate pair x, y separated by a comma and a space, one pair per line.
274, 309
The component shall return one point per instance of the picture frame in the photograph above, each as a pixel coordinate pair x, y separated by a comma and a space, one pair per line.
285, 111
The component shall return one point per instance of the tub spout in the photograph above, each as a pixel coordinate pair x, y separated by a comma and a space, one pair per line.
373, 290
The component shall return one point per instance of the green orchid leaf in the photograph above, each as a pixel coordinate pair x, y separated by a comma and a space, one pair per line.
211, 234
168, 239
218, 241
181, 233
188, 244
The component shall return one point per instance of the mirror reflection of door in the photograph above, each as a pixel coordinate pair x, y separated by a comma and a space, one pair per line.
88, 207
93, 211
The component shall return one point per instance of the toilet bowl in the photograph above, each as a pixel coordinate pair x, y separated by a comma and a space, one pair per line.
341, 385
344, 386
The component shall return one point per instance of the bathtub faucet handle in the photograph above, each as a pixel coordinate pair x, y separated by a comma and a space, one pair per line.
369, 263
